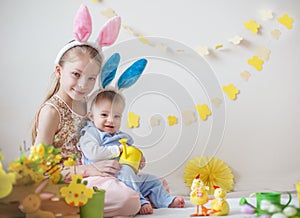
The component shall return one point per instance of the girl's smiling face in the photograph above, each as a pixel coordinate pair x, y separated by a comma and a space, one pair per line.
77, 78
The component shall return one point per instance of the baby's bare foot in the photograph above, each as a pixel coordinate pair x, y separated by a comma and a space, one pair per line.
177, 203
146, 209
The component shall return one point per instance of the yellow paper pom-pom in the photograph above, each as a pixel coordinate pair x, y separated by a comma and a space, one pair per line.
213, 172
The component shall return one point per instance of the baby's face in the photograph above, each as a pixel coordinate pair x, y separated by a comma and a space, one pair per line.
107, 115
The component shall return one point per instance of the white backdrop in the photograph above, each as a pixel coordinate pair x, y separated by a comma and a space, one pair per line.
260, 141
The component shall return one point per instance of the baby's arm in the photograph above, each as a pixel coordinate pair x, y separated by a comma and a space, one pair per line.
95, 152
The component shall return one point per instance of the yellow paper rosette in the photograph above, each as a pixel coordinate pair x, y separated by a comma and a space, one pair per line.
213, 172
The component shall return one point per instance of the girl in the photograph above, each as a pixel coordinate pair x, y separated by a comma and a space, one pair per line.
63, 113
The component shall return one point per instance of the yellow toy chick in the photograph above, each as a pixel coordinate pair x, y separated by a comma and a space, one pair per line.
7, 181
76, 193
199, 196
219, 205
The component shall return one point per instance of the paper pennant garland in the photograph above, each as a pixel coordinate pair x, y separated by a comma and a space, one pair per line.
252, 26
286, 20
231, 91
256, 63
276, 33
266, 15
133, 120
146, 41
236, 40
161, 47
203, 111
109, 13
245, 75
202, 50
263, 53
188, 117
154, 121
218, 46
143, 39
128, 29
172, 120
216, 102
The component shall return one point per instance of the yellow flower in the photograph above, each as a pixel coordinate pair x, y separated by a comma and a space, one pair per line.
37, 152
50, 150
42, 162
70, 162
56, 176
57, 158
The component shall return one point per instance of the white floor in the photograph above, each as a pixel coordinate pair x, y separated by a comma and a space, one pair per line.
190, 208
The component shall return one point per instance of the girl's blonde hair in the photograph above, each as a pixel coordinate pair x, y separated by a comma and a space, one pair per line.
69, 56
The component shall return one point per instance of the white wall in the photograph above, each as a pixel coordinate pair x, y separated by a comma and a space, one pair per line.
260, 141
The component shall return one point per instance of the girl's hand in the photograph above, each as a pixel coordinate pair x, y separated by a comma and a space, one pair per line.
142, 163
104, 168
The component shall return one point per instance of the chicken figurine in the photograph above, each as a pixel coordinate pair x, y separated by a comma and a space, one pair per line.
219, 205
76, 193
7, 180
199, 196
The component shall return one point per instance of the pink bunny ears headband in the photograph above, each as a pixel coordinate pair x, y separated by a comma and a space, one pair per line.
82, 29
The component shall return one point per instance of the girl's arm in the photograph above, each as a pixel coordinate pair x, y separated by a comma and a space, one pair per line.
48, 121
100, 168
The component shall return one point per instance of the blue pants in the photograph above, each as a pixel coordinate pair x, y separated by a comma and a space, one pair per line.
147, 186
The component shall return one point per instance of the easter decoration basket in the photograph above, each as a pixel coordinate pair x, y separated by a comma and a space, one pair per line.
34, 186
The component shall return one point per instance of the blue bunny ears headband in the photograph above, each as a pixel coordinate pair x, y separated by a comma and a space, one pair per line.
128, 77
126, 80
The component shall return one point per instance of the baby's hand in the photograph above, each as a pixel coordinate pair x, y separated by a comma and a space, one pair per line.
121, 149
142, 163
